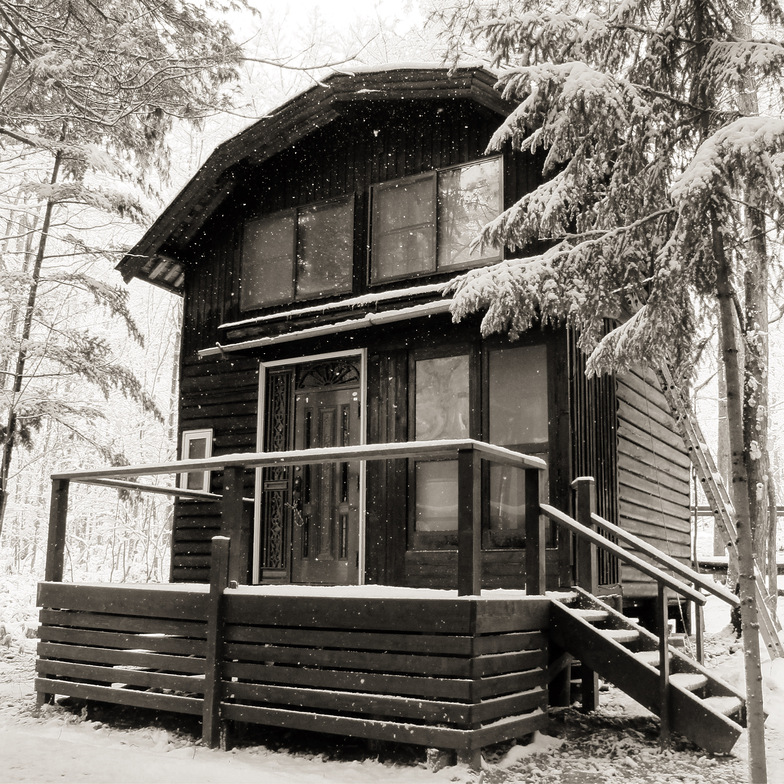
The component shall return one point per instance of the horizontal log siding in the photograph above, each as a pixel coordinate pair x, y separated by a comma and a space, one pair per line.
451, 673
221, 394
653, 474
123, 644
388, 668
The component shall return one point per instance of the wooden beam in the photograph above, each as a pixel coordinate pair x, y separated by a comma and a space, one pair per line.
663, 623
469, 523
55, 549
233, 523
535, 564
587, 561
647, 569
219, 579
412, 449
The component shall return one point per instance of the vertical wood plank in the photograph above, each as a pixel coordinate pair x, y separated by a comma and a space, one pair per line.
535, 565
55, 548
699, 625
469, 523
219, 579
233, 523
663, 630
587, 559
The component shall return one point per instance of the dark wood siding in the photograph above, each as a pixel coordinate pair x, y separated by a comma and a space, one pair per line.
364, 146
593, 407
653, 473
221, 394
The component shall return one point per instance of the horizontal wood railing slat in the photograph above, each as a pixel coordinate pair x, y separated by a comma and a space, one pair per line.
152, 661
172, 703
123, 624
93, 639
131, 677
393, 451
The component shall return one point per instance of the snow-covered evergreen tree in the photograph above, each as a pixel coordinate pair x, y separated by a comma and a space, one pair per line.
663, 194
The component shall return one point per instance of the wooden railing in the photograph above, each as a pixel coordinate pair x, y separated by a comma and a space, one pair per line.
470, 455
588, 539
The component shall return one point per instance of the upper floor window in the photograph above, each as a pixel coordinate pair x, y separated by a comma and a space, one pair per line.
426, 224
302, 253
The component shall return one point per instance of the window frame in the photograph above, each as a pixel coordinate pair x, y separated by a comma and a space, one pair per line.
435, 269
479, 428
349, 201
186, 437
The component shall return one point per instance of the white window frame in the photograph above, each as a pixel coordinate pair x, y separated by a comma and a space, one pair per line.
187, 437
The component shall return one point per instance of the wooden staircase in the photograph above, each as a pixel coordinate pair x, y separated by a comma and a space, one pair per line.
699, 706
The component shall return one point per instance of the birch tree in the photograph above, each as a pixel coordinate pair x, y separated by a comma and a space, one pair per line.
663, 192
88, 92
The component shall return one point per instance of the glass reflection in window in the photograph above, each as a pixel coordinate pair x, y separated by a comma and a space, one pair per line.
469, 197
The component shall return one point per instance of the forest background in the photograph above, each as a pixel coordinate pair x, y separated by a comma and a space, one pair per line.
126, 537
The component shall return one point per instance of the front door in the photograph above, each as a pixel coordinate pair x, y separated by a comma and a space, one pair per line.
325, 497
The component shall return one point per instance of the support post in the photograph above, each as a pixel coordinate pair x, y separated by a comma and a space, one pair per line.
587, 561
469, 523
535, 567
699, 631
55, 548
663, 630
212, 728
233, 523
587, 577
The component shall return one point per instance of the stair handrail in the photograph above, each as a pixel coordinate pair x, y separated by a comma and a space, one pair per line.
583, 531
669, 562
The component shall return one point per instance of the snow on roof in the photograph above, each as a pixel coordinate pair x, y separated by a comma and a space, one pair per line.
353, 302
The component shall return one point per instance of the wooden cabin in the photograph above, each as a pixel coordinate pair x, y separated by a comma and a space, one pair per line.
337, 429
311, 252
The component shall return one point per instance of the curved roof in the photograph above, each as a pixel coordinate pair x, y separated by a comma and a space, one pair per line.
155, 256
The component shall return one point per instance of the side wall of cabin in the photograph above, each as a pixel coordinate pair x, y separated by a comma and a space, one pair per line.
654, 473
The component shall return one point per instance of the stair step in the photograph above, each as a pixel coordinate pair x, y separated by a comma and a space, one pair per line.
648, 657
724, 705
593, 616
621, 635
691, 681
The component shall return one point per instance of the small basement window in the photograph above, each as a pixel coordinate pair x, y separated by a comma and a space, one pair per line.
299, 254
425, 224
196, 445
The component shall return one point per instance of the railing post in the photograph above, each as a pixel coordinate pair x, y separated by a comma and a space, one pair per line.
699, 624
535, 567
233, 523
469, 523
587, 562
55, 548
663, 624
211, 724
587, 577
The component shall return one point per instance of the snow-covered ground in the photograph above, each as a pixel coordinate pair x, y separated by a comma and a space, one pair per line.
619, 743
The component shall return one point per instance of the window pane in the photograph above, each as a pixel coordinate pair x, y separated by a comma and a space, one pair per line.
404, 218
518, 396
442, 404
197, 448
507, 505
268, 261
325, 247
436, 496
468, 198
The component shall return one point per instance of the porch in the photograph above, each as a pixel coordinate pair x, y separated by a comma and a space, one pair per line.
450, 669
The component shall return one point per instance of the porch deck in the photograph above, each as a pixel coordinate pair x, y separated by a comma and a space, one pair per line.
422, 667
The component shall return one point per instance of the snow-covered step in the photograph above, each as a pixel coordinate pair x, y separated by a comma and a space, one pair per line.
648, 657
593, 616
691, 681
725, 705
621, 635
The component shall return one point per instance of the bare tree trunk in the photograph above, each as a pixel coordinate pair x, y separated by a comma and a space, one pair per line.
9, 433
740, 481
